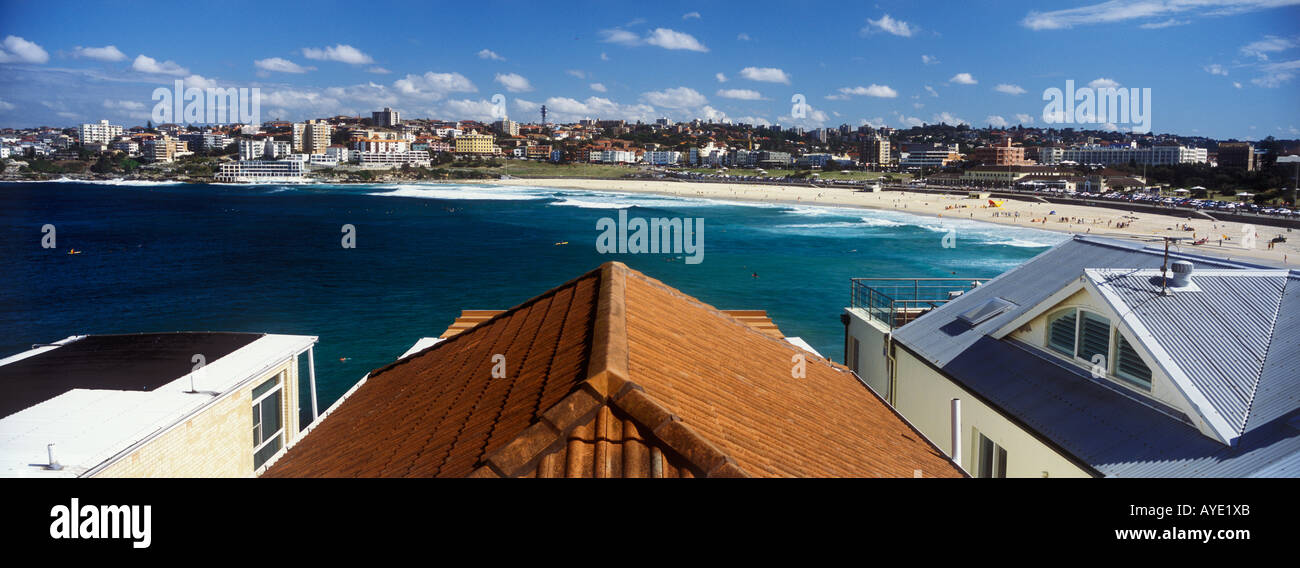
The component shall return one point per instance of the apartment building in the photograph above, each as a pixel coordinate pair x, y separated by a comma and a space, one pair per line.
153, 404
272, 171
102, 132
1237, 155
875, 151
1126, 154
474, 143
1002, 154
387, 118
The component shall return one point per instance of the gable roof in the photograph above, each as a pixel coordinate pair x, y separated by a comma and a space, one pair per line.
612, 374
1253, 384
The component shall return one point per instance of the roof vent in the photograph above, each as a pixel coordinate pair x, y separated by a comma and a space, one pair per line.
1182, 273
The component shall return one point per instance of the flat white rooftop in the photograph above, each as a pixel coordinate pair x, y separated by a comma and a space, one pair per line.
91, 426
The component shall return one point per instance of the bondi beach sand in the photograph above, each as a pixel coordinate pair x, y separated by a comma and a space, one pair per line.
1078, 219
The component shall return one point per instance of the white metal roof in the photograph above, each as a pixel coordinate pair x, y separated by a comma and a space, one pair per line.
91, 427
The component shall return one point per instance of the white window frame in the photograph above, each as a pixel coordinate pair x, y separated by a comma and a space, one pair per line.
266, 440
1112, 347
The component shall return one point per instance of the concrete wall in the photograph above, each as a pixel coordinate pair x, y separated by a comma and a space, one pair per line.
923, 396
217, 441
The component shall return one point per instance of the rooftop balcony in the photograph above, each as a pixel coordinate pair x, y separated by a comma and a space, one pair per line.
896, 301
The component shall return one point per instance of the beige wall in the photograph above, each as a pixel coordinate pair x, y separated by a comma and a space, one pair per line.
924, 397
217, 441
872, 363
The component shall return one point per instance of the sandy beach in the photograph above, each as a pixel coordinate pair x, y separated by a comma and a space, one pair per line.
1073, 219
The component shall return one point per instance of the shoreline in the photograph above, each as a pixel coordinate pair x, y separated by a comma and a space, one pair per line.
1145, 228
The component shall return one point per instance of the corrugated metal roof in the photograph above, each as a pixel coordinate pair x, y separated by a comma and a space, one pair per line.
1218, 335
1233, 343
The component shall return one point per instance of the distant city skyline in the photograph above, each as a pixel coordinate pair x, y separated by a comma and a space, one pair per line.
1222, 69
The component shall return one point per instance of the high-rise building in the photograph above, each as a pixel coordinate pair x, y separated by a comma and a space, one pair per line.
102, 132
387, 117
474, 143
1237, 155
506, 127
316, 137
875, 151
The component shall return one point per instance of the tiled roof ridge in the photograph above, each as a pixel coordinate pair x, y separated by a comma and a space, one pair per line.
484, 324
608, 383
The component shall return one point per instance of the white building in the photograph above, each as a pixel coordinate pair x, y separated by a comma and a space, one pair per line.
662, 158
389, 159
252, 149
102, 132
1154, 156
259, 171
613, 156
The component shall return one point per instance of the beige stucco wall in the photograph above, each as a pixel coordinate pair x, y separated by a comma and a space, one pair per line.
217, 441
924, 397
872, 362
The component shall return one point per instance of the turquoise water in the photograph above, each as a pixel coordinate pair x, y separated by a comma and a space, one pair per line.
175, 257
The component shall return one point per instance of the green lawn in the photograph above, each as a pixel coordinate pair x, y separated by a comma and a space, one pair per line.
531, 169
833, 174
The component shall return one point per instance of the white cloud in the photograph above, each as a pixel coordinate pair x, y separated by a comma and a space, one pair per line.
481, 110
754, 120
1010, 89
281, 65
123, 105
948, 118
908, 121
1165, 24
1104, 83
1270, 44
146, 64
604, 57
4, 105
1216, 69
341, 53
1236, 84
963, 79
514, 82
995, 120
434, 85
106, 53
200, 81
598, 87
1115, 11
1023, 118
891, 26
929, 60
675, 98
880, 91
564, 109
577, 73
18, 50
742, 36
670, 39
1277, 73
740, 94
765, 74
691, 15
619, 36
720, 77
931, 90
489, 54
378, 71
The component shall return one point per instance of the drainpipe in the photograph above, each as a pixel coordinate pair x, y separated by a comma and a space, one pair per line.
311, 376
956, 431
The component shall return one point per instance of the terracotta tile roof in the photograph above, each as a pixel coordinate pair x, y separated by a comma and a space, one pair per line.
757, 319
613, 374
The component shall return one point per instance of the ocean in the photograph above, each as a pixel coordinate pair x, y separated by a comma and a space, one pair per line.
184, 257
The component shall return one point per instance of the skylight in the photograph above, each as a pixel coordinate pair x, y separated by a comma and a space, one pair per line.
985, 311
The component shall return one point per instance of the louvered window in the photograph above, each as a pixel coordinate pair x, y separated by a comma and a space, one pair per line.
1129, 366
1061, 332
1094, 336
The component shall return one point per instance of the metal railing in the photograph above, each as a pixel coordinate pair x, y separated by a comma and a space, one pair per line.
897, 301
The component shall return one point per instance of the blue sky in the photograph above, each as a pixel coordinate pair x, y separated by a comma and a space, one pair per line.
1222, 68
